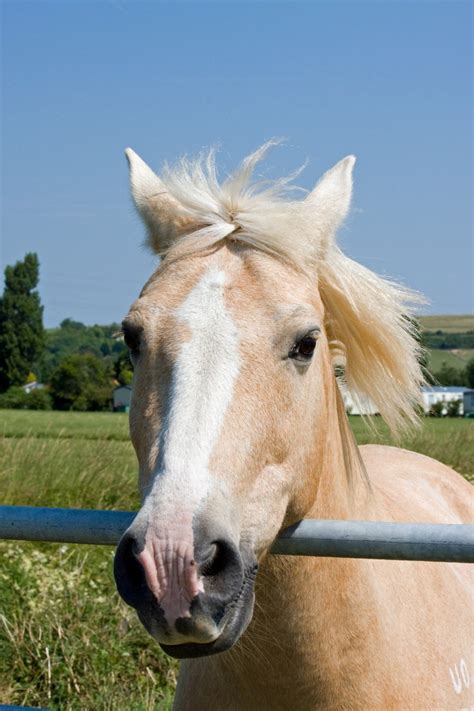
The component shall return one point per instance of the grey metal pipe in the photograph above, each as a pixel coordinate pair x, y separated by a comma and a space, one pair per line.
374, 539
31, 523
338, 539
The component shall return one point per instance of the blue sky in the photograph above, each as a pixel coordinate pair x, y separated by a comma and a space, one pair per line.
389, 81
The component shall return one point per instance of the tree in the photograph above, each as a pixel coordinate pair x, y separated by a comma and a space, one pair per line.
17, 399
447, 375
75, 337
469, 374
437, 409
416, 331
21, 323
82, 381
454, 408
123, 368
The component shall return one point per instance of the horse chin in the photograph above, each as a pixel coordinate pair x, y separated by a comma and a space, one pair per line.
233, 629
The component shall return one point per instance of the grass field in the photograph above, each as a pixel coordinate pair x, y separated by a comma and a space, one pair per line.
448, 324
66, 640
453, 358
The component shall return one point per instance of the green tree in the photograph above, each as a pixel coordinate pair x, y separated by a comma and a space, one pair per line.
447, 375
82, 381
454, 408
437, 409
75, 337
123, 368
417, 333
469, 374
21, 323
17, 399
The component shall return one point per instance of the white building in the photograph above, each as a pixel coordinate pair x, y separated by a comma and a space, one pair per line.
446, 394
469, 402
363, 406
430, 396
121, 397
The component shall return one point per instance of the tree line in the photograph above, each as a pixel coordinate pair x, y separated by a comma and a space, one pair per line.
80, 365
448, 341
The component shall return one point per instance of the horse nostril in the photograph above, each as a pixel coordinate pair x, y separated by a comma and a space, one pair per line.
205, 566
129, 574
219, 556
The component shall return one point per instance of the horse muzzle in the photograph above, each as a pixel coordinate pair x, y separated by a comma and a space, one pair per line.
194, 599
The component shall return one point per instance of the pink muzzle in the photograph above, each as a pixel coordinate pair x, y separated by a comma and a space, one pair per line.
171, 574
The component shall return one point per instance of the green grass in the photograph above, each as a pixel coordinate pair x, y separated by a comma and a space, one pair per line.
64, 425
453, 358
450, 323
66, 640
450, 440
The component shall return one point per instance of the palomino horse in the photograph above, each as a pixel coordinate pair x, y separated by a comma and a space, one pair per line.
240, 431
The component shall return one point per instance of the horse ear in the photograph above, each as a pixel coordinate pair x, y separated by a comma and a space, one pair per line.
159, 210
330, 200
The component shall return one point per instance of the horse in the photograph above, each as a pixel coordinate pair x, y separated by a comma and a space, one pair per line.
239, 340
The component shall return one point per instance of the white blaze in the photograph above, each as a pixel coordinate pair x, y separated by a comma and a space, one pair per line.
201, 390
203, 380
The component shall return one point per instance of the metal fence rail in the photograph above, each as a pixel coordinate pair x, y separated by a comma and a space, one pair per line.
339, 539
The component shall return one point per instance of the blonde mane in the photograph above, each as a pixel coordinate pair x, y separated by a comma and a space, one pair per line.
366, 316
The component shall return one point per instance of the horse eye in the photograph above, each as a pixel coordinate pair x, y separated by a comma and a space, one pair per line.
132, 337
304, 348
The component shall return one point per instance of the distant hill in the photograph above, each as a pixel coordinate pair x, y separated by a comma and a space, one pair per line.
447, 324
449, 340
453, 358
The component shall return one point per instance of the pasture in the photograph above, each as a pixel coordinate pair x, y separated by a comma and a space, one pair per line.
66, 640
453, 358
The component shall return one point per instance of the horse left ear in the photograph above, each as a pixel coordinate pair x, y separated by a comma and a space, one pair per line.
330, 200
162, 214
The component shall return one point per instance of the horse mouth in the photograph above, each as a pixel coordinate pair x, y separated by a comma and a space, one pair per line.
235, 621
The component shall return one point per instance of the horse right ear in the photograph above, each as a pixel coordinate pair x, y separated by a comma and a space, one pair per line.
162, 214
329, 202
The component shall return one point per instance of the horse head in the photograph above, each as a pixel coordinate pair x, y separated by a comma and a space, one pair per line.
233, 341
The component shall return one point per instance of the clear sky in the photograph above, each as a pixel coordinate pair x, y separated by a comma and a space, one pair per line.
389, 81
